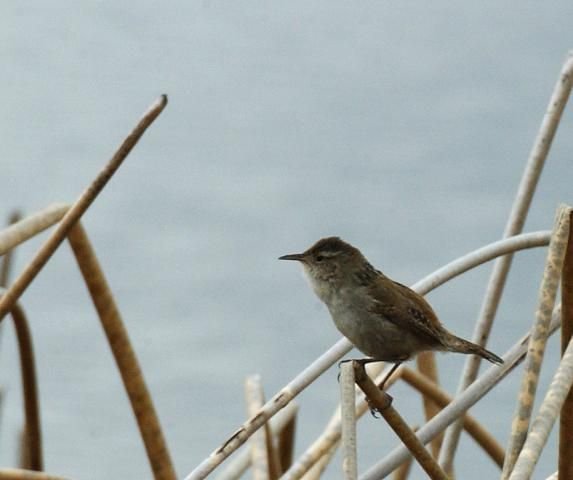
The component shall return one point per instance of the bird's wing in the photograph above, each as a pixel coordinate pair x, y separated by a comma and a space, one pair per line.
405, 308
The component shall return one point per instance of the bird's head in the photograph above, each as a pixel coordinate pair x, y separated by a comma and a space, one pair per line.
329, 260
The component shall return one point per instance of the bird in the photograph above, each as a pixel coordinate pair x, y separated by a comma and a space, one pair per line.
385, 320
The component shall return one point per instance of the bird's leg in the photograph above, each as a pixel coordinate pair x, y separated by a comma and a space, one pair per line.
388, 375
363, 361
373, 410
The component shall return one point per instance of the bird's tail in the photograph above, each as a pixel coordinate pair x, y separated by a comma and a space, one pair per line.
460, 345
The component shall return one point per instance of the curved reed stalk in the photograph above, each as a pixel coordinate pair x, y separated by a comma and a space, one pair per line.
30, 226
78, 209
124, 354
5, 270
32, 427
514, 225
343, 346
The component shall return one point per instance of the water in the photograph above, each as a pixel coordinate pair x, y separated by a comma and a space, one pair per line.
403, 128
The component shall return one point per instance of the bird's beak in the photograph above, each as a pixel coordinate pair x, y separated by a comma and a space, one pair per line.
293, 256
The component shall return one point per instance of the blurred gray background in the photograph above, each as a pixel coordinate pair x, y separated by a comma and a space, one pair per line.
403, 127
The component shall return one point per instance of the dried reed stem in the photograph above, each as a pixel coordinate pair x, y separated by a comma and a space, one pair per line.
263, 466
383, 403
348, 421
319, 467
26, 228
460, 404
343, 346
548, 412
21, 474
5, 270
566, 420
426, 362
547, 295
123, 353
285, 442
32, 434
514, 225
78, 209
480, 256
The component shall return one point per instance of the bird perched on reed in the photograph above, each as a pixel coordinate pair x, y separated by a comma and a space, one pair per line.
384, 319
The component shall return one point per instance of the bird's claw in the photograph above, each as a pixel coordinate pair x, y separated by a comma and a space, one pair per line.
373, 410
340, 363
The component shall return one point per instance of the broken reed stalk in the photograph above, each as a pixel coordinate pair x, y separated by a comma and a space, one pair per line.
426, 362
78, 209
343, 346
514, 225
264, 461
461, 403
536, 350
123, 353
30, 226
21, 474
383, 403
565, 468
548, 412
348, 421
32, 428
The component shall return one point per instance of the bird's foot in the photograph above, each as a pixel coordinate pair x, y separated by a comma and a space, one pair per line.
375, 411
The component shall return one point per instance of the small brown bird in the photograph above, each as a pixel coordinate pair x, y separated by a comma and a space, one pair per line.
384, 319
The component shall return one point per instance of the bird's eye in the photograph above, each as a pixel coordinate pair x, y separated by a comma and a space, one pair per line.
319, 258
